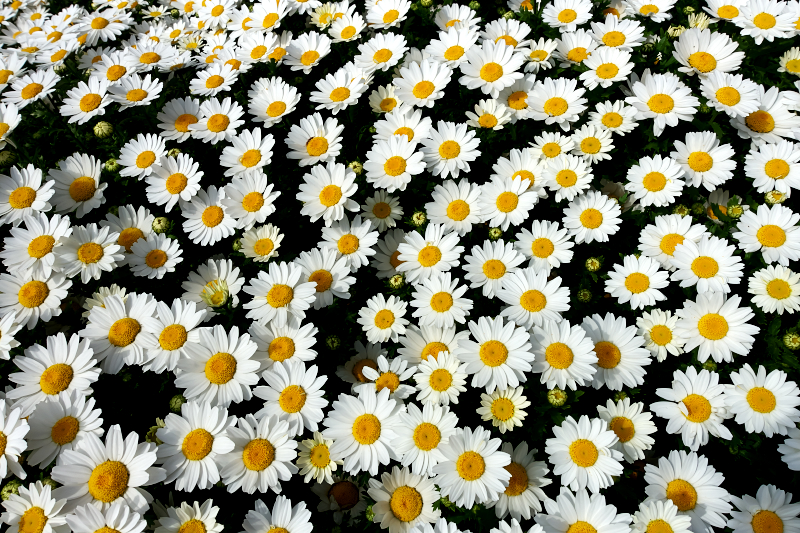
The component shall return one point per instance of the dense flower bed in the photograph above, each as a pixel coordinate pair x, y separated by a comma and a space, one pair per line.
287, 266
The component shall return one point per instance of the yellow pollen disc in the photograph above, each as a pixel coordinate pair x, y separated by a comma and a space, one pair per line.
4, 75
387, 380
637, 282
538, 55
517, 100
4, 129
348, 244
581, 527
612, 120
502, 409
345, 493
590, 145
429, 256
31, 90
276, 109
458, 210
771, 236
728, 96
320, 456
449, 149
577, 55
408, 132
41, 246
591, 218
323, 279
3, 442
263, 246
367, 429
214, 81
65, 430
390, 16
519, 479
491, 72
793, 65
220, 368
108, 481
727, 12
212, 216
280, 295
316, 146
555, 107
423, 89
432, 349
427, 436
145, 159
394, 259
658, 526
567, 15
387, 104
176, 183
33, 520
648, 9
507, 201
705, 267
700, 161
347, 32
608, 355
614, 38
217, 123
123, 332
779, 289
90, 102
533, 301
381, 210
712, 326
128, 236
509, 40
494, 269
192, 526
767, 522
606, 71
551, 150
661, 103
777, 169
358, 369
292, 399
394, 166
542, 248
682, 494
56, 378
384, 319
760, 122
406, 503
308, 58
487, 120
33, 294
566, 178
441, 302
252, 202
22, 197
281, 349
270, 20
382, 56
182, 122
98, 23
702, 61
453, 53
173, 337
764, 21
149, 58
699, 408
278, 53
340, 94
330, 195
470, 465
493, 353
82, 189
583, 453
155, 258
258, 52
669, 242
197, 444
761, 400
623, 427
661, 335
440, 380
451, 23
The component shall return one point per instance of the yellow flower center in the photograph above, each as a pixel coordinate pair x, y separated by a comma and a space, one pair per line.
623, 427
648, 9
108, 481
606, 71
449, 149
429, 256
577, 55
487, 120
316, 146
702, 61
712, 326
591, 145
32, 520
661, 335
263, 246
390, 16
281, 349
270, 20
542, 247
493, 353
637, 282
41, 246
408, 132
583, 453
519, 479
145, 159
771, 236
280, 295
252, 202
31, 90
470, 466
705, 267
728, 96
182, 122
320, 456
614, 38
760, 122
90, 252
453, 53
394, 259
776, 169
358, 369
591, 218
128, 236
340, 94
173, 337
276, 109
699, 408
764, 21
458, 210
309, 58
567, 15
381, 210
90, 102
491, 72
682, 494
700, 161
65, 430
612, 120
779, 289
533, 301
155, 258
33, 294
427, 436
22, 197
348, 244
367, 429
387, 104
658, 526
555, 107
250, 159
82, 189
394, 166
98, 23
502, 409
406, 503
123, 332
382, 56
56, 378
559, 355
494, 269
766, 521
727, 12
661, 103
608, 355
538, 55
148, 58
197, 444
176, 183
212, 216
440, 379
669, 242
292, 399
441, 302
323, 279
347, 32
217, 123
220, 368
258, 52
192, 526
384, 319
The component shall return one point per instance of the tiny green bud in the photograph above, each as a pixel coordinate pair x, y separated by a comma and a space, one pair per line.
495, 233
176, 402
333, 342
161, 225
698, 208
12, 487
620, 395
112, 165
50, 483
593, 264
419, 218
584, 295
237, 245
396, 281
474, 5
426, 3
7, 158
103, 129
681, 210
556, 397
792, 340
710, 365
173, 152
356, 167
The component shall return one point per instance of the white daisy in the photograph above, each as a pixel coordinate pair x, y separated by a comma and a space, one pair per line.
314, 140
450, 149
403, 500
637, 281
440, 379
775, 288
763, 402
421, 433
439, 301
13, 428
206, 219
32, 296
563, 355
23, 194
531, 298
659, 331
329, 273
632, 425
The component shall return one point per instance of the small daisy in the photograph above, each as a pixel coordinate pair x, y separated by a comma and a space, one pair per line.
659, 331
563, 355
382, 319
439, 301
550, 145
305, 51
366, 356
32, 296
134, 91
329, 272
77, 184
451, 45
9, 120
504, 407
421, 433
450, 149
354, 241
326, 192
403, 500
89, 251
30, 248
516, 185
421, 344
173, 179
422, 84
404, 120
569, 175
34, 507
620, 356
250, 152
632, 425
86, 101
279, 344
187, 517
177, 330
664, 98
557, 102
249, 199
31, 87
383, 99
206, 219
592, 143
772, 231
139, 155
637, 281
774, 167
382, 210
772, 121
314, 140
283, 517
592, 217
763, 402
704, 160
622, 34
730, 93
213, 80
491, 67
546, 245
278, 293
489, 114
765, 19
337, 91
381, 16
717, 325
524, 492
383, 51
573, 48
23, 194
488, 265
393, 162
657, 10
606, 66
293, 393
660, 513
13, 428
218, 121
567, 15
118, 516
538, 55
775, 289
660, 240
155, 256
455, 206
531, 298
346, 28
440, 379
314, 459
708, 264
261, 243
615, 117
703, 51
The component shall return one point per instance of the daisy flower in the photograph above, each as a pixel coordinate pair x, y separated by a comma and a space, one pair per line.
14, 428
592, 143
139, 155
326, 192
177, 330
771, 121
489, 114
283, 516
382, 319
278, 293
86, 101
176, 117
421, 84
729, 93
382, 210
606, 66
615, 117
215, 79
574, 47
31, 87
692, 485
538, 54
362, 430
488, 265
659, 331
249, 199
101, 473
135, 91
383, 99
531, 299
709, 264
8, 328
173, 179
557, 102
392, 162
618, 350
329, 273
23, 194
491, 68
206, 219
205, 286
440, 379
450, 15
702, 51
218, 121
261, 243
30, 248
77, 184
293, 393
386, 259
455, 206
389, 15
420, 344
314, 140
704, 160
451, 45
632, 425
403, 500
250, 152
383, 51
187, 516
348, 27
524, 492
337, 91
772, 231
439, 301
314, 460
280, 344
775, 288
657, 11
366, 356
790, 61
694, 406
763, 402
34, 506
499, 356
660, 240
450, 149
305, 51
353, 241
622, 34
421, 433
774, 167
771, 507
568, 175
765, 19
664, 98
567, 15
550, 145
582, 454
659, 514
637, 281
545, 245
580, 510
473, 470
514, 188
563, 355
504, 407
118, 516
404, 120
32, 296
192, 443
89, 251
114, 66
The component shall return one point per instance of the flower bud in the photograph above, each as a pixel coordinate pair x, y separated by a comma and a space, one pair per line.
103, 129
